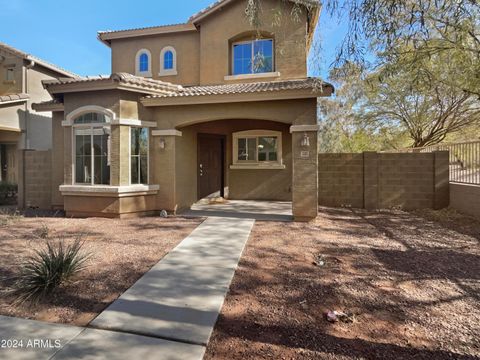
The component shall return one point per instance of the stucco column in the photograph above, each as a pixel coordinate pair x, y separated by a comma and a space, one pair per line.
162, 165
305, 172
119, 155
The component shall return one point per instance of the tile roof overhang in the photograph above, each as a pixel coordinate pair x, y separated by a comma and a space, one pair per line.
191, 25
117, 81
43, 63
51, 105
13, 98
243, 92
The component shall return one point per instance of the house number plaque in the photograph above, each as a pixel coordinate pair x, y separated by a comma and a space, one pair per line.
305, 154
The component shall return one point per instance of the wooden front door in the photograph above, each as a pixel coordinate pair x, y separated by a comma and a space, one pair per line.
210, 167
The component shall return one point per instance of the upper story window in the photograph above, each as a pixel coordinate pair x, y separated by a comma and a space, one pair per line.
252, 57
168, 61
143, 64
10, 74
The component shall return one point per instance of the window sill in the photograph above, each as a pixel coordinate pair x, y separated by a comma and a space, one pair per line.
108, 190
257, 167
168, 73
252, 76
146, 74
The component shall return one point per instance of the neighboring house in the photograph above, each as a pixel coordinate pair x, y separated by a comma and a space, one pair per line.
211, 106
21, 128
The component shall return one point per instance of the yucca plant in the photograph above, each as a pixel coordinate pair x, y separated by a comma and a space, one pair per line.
49, 268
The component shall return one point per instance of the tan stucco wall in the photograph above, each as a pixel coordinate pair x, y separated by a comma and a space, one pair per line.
296, 112
242, 184
203, 56
186, 45
38, 179
218, 29
58, 154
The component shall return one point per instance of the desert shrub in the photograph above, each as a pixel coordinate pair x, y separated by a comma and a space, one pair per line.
43, 232
8, 217
8, 191
49, 268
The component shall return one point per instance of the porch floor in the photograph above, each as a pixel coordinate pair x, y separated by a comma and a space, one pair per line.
243, 209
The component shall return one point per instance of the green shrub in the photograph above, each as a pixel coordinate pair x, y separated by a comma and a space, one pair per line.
49, 268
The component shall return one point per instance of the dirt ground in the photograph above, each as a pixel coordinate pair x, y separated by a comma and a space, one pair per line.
121, 252
411, 281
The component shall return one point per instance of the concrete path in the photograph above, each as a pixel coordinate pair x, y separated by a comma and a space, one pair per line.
168, 314
180, 298
244, 209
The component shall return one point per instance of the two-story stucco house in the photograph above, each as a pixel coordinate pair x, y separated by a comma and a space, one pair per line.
21, 128
209, 106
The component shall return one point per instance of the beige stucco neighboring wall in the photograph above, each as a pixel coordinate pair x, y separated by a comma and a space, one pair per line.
15, 62
465, 198
186, 45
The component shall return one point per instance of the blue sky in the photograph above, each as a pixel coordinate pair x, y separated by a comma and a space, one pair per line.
64, 33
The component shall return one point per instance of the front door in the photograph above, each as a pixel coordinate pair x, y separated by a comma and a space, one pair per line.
210, 167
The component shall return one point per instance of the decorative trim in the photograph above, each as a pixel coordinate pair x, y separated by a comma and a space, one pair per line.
168, 72
274, 74
134, 122
257, 166
107, 190
147, 73
303, 128
171, 132
70, 117
12, 129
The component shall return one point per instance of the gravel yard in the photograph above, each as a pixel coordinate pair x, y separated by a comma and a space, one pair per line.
411, 282
121, 252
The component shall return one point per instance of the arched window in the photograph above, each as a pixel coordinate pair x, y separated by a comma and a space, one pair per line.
168, 61
91, 157
143, 65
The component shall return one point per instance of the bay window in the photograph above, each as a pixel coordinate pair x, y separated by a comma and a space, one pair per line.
91, 134
138, 155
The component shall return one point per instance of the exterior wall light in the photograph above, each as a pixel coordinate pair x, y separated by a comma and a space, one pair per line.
162, 144
305, 140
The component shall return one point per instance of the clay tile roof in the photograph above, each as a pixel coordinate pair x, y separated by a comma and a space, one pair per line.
140, 28
220, 3
41, 62
123, 78
243, 88
13, 98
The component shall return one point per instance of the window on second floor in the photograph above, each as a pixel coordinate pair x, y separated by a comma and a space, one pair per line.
143, 65
10, 75
168, 61
252, 57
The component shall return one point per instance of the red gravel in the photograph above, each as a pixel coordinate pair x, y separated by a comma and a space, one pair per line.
121, 252
411, 280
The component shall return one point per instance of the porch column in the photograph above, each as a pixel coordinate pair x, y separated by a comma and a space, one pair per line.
162, 163
305, 171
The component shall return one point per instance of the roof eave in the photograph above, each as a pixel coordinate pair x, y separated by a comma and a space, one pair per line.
107, 37
48, 107
326, 91
12, 102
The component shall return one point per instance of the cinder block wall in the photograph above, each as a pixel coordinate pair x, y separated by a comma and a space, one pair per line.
465, 198
38, 177
384, 180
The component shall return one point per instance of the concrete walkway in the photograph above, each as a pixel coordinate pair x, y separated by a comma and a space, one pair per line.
244, 209
169, 313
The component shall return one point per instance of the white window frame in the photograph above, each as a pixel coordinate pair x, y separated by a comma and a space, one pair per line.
71, 119
249, 164
232, 70
130, 154
147, 73
168, 72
